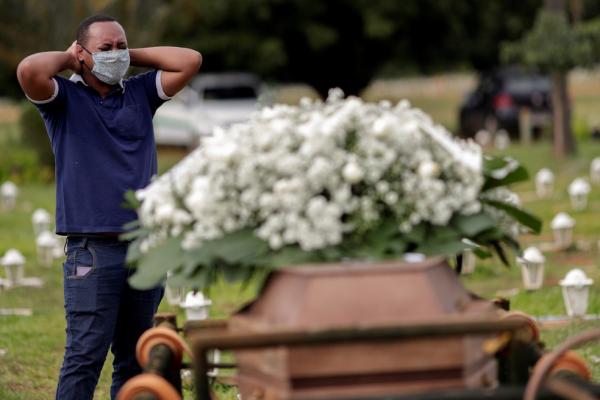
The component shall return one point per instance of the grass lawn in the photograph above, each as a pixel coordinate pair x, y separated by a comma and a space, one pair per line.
34, 345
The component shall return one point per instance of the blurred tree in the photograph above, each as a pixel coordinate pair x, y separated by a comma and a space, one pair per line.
555, 46
34, 136
325, 43
30, 26
346, 42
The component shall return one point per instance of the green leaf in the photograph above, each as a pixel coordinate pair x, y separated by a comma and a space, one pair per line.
376, 244
481, 252
331, 253
132, 225
446, 248
443, 234
133, 252
232, 273
396, 247
199, 279
243, 246
441, 240
519, 174
471, 225
238, 248
512, 243
192, 259
416, 234
491, 163
384, 231
489, 235
140, 232
523, 217
152, 267
131, 202
288, 256
377, 251
501, 254
364, 250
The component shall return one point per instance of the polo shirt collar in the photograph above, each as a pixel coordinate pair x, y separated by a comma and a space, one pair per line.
79, 79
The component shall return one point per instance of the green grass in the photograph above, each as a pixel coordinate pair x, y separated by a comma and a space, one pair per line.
492, 279
35, 344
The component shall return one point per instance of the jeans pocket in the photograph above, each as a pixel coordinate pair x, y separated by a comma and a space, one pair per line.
81, 281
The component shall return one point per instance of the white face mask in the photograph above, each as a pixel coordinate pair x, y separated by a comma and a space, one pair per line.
110, 66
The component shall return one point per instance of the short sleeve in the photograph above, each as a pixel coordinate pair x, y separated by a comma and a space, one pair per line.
57, 98
151, 82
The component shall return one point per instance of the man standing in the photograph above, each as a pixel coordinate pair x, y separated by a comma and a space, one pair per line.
100, 128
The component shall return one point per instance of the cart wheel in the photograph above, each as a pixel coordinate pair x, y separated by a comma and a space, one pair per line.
572, 362
155, 336
148, 384
549, 361
530, 333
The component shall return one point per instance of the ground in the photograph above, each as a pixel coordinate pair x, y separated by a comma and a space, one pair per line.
34, 345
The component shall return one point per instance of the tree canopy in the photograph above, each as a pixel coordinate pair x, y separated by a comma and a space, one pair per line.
554, 45
324, 43
346, 42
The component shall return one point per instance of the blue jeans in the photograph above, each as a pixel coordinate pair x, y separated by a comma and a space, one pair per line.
102, 312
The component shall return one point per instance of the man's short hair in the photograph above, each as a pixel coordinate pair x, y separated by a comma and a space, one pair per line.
84, 26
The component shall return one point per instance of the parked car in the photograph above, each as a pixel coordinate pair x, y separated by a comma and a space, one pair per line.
500, 97
211, 100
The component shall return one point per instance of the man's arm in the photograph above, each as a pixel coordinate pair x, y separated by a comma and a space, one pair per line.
35, 72
178, 64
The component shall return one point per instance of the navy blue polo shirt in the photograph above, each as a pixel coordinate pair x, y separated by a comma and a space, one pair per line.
102, 147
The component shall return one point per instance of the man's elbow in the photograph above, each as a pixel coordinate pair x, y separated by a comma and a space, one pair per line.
191, 65
195, 61
25, 71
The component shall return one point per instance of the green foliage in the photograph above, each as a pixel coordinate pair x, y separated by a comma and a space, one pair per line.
34, 135
153, 266
345, 43
588, 43
502, 171
522, 216
554, 45
51, 25
19, 163
550, 46
324, 43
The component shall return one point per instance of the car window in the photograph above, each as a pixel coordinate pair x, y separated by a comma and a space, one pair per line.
526, 85
229, 93
187, 96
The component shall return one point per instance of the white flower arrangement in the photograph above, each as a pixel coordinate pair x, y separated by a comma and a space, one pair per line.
318, 176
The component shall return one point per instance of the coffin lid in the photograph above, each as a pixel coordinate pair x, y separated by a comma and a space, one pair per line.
360, 294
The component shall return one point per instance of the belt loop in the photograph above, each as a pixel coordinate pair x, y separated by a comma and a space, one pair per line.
65, 246
85, 242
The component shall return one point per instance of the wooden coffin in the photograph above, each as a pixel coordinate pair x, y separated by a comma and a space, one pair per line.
363, 295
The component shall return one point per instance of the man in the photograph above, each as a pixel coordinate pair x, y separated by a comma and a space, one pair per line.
100, 128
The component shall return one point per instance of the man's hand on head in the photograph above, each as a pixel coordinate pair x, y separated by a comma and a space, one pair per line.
178, 65
75, 66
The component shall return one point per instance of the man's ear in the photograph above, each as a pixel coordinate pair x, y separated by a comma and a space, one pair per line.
79, 51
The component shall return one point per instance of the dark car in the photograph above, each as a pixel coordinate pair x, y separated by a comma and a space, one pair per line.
500, 98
